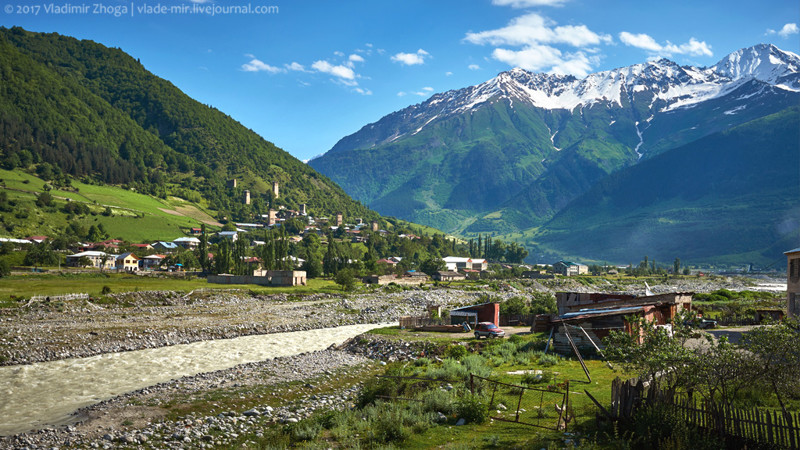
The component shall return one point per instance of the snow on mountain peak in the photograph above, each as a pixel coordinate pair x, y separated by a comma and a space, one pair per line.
664, 79
764, 62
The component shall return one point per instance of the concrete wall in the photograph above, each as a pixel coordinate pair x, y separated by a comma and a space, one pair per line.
387, 279
270, 278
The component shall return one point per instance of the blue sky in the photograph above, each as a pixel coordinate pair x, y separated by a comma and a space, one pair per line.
306, 73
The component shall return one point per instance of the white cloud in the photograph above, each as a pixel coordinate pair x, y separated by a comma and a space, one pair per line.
256, 65
401, 94
342, 72
411, 59
533, 58
474, 67
532, 29
424, 92
362, 91
788, 29
356, 58
545, 58
528, 3
642, 41
447, 74
295, 67
693, 47
339, 54
537, 38
646, 42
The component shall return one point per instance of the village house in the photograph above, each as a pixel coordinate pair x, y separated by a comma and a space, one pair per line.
127, 262
16, 243
144, 247
165, 246
232, 235
100, 260
37, 239
455, 263
448, 276
195, 231
569, 268
589, 317
189, 243
484, 312
152, 261
264, 278
793, 282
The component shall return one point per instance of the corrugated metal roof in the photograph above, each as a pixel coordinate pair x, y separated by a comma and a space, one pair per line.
592, 312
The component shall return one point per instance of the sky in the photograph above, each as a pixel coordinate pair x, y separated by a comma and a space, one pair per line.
305, 73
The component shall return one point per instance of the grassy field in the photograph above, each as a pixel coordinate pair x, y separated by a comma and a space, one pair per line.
135, 217
25, 286
398, 423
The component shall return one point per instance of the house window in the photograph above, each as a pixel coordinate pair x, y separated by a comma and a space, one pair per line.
794, 270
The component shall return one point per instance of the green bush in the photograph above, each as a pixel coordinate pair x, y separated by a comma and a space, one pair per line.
306, 430
439, 400
456, 351
531, 378
548, 360
422, 362
472, 408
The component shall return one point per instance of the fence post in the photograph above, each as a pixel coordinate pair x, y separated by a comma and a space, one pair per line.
566, 407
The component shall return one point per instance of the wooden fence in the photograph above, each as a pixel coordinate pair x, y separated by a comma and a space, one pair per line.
763, 427
413, 322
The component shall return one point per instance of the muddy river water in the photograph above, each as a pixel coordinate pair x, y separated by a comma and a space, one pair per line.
35, 395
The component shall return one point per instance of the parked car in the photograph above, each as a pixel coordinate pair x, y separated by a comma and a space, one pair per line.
707, 323
489, 330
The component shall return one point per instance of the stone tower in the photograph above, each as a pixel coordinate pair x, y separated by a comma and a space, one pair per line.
246, 197
339, 219
304, 209
275, 189
273, 217
793, 282
375, 225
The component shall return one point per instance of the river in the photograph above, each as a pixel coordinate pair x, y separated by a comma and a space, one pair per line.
33, 396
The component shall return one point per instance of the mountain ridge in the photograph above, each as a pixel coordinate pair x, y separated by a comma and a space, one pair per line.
487, 159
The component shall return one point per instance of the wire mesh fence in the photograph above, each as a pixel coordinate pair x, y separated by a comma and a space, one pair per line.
544, 408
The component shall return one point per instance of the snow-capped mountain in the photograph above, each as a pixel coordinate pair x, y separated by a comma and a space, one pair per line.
509, 153
663, 83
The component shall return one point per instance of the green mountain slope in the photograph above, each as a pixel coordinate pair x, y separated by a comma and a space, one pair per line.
77, 108
459, 168
733, 196
510, 153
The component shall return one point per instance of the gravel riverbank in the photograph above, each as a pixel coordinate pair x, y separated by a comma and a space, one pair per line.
49, 331
150, 319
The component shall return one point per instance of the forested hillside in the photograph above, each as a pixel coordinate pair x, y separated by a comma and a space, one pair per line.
730, 197
71, 108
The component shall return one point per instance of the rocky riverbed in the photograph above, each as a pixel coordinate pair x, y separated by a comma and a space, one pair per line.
278, 391
220, 408
46, 331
